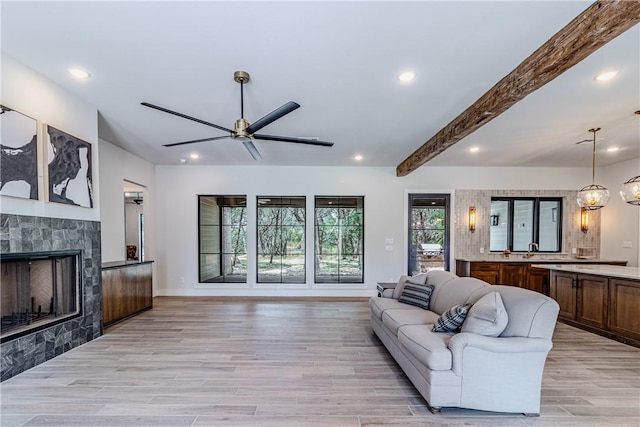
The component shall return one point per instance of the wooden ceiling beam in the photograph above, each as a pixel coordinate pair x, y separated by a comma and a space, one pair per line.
600, 23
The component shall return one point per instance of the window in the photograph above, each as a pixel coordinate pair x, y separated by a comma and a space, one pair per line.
222, 239
339, 239
281, 239
515, 223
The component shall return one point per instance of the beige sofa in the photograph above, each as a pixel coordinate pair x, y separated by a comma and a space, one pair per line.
468, 369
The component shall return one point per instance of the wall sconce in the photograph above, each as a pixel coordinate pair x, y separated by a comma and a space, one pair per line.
472, 218
584, 220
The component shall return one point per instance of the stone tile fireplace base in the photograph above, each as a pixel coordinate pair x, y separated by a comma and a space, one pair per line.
24, 234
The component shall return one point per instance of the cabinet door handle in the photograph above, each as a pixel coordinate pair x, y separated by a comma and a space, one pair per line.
573, 284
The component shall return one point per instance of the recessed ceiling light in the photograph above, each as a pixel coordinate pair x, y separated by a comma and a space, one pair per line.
474, 149
357, 157
407, 76
607, 75
194, 155
79, 73
613, 149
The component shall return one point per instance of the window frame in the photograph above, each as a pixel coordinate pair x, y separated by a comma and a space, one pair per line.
341, 279
535, 220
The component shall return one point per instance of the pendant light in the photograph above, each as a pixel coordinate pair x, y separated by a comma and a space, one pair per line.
630, 191
593, 197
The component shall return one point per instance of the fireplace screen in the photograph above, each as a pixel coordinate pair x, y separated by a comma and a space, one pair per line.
38, 289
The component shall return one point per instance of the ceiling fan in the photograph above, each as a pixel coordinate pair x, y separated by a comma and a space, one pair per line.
243, 131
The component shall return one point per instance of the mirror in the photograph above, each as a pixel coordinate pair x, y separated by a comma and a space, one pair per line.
133, 221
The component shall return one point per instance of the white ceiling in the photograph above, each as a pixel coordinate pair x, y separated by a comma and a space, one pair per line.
339, 60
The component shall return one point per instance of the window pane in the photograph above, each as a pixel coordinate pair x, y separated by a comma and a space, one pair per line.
222, 239
523, 224
281, 239
499, 228
549, 226
339, 239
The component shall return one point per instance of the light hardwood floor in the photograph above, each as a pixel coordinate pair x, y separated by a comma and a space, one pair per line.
250, 362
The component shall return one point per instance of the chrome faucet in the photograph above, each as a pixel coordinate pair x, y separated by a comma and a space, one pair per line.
530, 248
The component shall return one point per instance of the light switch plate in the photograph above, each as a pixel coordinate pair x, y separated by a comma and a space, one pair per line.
388, 241
388, 248
626, 244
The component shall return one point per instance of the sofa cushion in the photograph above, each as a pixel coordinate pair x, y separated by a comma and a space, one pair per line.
451, 320
487, 316
394, 318
379, 305
429, 348
454, 292
415, 294
420, 279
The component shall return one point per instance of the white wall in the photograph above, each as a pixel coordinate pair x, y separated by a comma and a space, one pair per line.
116, 165
385, 214
31, 94
620, 221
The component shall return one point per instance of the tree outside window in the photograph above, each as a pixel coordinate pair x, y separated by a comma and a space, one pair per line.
339, 239
281, 239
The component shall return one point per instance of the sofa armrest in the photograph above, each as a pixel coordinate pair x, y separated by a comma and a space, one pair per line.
387, 293
459, 343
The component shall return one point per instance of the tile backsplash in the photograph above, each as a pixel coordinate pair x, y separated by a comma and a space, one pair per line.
468, 244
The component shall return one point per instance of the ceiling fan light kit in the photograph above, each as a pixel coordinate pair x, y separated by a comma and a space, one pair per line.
244, 131
593, 197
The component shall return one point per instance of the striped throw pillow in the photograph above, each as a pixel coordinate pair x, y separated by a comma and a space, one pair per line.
451, 320
416, 294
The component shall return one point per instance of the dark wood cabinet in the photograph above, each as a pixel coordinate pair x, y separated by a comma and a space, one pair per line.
126, 290
513, 274
487, 271
604, 305
564, 290
624, 307
538, 279
593, 300
581, 297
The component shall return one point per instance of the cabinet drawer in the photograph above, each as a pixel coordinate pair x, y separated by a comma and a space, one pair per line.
485, 266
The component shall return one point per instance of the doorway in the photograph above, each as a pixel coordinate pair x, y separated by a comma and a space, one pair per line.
428, 232
133, 221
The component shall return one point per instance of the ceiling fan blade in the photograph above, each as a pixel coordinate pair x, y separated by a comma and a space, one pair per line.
184, 116
273, 116
248, 144
196, 140
291, 139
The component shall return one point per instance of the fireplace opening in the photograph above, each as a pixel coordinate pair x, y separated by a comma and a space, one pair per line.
38, 290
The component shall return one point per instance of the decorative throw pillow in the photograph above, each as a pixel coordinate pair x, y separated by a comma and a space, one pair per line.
450, 320
487, 316
416, 294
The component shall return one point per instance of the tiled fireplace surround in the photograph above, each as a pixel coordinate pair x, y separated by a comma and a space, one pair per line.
36, 234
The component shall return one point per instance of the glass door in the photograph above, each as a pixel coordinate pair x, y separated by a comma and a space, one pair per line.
428, 232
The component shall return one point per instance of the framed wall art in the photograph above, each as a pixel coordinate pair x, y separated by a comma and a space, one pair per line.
69, 177
18, 154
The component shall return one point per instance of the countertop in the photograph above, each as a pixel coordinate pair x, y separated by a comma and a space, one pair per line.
120, 264
538, 260
618, 271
